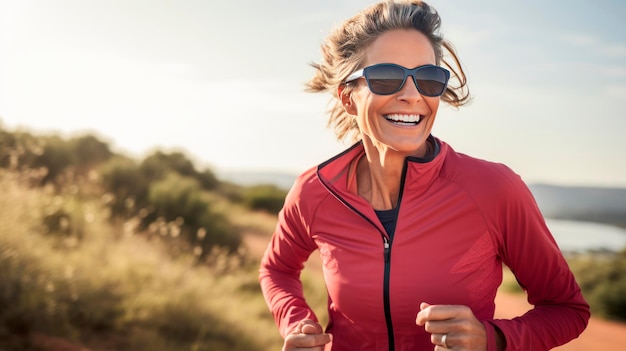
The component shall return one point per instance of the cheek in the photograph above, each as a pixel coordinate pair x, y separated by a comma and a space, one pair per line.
362, 102
433, 105
370, 109
360, 95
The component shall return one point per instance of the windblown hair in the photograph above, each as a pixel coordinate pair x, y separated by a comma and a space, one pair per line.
344, 51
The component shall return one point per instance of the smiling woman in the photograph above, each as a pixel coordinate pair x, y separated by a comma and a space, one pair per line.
412, 234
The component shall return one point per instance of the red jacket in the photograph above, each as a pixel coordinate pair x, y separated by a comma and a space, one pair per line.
459, 220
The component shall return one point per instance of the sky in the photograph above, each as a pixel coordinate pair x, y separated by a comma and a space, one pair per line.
223, 81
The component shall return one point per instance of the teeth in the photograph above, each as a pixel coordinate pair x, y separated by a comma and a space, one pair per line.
403, 118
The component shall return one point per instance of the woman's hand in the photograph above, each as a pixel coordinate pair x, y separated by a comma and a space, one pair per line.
307, 336
462, 330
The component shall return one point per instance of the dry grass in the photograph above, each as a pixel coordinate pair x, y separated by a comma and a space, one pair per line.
111, 289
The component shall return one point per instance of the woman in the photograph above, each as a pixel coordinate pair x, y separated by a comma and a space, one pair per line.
412, 234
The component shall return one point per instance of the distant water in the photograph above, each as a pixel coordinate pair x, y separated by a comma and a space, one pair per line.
584, 236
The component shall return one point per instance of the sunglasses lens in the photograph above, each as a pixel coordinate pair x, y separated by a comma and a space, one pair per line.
384, 79
387, 79
431, 81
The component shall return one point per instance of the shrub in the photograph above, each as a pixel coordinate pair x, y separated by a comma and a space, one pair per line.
89, 150
269, 198
126, 185
22, 150
159, 164
56, 157
18, 150
215, 230
180, 201
602, 279
231, 191
208, 180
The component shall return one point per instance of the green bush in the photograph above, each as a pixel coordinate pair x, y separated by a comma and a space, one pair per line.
56, 156
89, 150
231, 191
123, 180
177, 196
269, 198
208, 180
159, 164
18, 150
602, 278
180, 201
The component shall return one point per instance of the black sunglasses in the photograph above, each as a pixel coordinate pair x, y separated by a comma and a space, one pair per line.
389, 78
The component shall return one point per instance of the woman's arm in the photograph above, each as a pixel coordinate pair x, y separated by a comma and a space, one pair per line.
281, 265
527, 247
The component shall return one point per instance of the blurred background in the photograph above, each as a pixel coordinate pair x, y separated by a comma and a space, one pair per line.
224, 80
146, 147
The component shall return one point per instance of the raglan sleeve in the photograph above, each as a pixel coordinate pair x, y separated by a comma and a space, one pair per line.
282, 263
527, 247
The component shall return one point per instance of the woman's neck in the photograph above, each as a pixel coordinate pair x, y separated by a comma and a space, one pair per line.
379, 174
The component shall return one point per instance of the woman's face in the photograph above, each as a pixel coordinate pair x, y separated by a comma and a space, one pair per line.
383, 118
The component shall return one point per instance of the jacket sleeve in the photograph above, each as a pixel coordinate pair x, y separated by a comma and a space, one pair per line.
527, 247
281, 265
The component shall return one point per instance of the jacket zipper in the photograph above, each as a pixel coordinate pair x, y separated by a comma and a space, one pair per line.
386, 253
387, 241
386, 298
387, 271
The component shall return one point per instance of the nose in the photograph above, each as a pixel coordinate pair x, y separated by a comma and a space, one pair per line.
409, 91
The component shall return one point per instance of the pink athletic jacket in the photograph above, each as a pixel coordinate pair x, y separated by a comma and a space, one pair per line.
459, 220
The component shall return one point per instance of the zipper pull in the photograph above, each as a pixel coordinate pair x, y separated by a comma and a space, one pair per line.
387, 250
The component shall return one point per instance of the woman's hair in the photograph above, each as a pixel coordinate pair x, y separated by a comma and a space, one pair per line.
344, 50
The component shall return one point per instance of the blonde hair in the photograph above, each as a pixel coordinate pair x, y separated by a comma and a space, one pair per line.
344, 50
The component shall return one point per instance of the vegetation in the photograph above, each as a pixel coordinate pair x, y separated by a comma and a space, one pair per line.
120, 254
110, 288
265, 197
113, 253
602, 279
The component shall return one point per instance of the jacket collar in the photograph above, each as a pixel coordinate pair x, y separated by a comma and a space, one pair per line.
418, 173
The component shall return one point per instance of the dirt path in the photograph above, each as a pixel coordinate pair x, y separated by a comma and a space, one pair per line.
599, 335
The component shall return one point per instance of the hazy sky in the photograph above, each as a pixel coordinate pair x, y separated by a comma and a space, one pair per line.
223, 80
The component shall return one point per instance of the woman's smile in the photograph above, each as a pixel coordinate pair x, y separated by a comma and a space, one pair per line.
403, 119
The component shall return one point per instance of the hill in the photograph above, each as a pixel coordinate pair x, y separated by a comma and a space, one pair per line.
282, 180
593, 204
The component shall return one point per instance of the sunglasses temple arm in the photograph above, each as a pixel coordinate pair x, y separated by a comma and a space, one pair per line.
356, 75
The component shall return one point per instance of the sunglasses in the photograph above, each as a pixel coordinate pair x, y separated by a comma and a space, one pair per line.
389, 78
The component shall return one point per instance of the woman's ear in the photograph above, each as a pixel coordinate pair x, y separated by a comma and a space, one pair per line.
346, 100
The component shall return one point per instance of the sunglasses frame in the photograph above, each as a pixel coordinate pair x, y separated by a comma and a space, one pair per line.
413, 73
